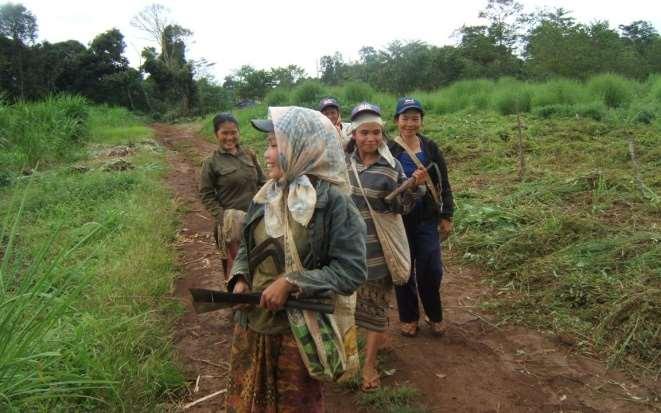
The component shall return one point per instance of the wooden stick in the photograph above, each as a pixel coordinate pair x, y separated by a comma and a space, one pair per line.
205, 398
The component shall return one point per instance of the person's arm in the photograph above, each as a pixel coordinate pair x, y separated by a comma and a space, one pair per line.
405, 201
208, 191
261, 178
446, 190
346, 269
240, 267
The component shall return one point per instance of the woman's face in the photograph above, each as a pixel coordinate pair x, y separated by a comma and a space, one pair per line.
332, 113
271, 156
409, 122
368, 137
228, 136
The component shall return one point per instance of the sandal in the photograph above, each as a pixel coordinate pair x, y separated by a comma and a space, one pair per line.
438, 329
372, 384
409, 329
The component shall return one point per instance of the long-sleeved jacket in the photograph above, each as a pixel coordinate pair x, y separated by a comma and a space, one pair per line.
337, 235
229, 181
429, 209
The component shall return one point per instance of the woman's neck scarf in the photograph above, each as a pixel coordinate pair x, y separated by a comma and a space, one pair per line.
308, 145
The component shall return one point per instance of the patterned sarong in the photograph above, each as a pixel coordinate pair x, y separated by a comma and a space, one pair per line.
267, 375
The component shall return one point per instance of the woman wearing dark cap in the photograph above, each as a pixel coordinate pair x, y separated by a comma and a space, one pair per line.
230, 178
302, 235
431, 215
374, 174
330, 107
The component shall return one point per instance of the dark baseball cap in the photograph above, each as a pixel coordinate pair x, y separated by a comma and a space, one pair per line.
365, 107
263, 125
328, 102
406, 103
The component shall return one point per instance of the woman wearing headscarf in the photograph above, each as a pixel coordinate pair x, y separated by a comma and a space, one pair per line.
432, 215
303, 211
230, 177
376, 174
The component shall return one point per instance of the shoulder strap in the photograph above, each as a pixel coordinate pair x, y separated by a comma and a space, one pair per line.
360, 184
414, 158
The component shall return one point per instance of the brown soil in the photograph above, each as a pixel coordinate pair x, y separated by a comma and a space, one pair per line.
477, 366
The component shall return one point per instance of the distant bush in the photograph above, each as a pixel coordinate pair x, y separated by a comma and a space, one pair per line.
550, 111
559, 92
277, 97
514, 98
308, 94
614, 90
49, 130
356, 92
594, 110
654, 84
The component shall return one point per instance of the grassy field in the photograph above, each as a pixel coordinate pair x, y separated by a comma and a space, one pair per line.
574, 246
86, 268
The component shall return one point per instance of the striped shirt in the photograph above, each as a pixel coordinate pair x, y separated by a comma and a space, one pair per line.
378, 180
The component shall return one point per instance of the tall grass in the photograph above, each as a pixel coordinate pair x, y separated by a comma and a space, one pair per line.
88, 328
35, 295
47, 131
604, 97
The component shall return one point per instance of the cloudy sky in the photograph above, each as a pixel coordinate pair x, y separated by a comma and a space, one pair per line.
272, 33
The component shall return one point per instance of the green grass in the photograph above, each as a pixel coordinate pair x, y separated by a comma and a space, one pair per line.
102, 338
391, 399
116, 125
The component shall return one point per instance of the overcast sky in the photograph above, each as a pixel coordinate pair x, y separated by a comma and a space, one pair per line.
272, 33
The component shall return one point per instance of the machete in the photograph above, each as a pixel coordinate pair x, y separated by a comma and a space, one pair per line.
210, 300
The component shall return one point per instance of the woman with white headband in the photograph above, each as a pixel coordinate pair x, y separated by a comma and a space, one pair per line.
374, 174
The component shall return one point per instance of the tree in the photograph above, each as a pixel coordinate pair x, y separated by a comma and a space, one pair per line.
332, 68
505, 18
250, 83
20, 25
287, 76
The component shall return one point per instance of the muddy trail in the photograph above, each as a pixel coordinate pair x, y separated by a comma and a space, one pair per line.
477, 366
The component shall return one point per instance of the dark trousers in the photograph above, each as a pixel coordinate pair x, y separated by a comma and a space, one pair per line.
426, 272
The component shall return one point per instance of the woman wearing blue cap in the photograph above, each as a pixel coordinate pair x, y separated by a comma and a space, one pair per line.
375, 174
431, 215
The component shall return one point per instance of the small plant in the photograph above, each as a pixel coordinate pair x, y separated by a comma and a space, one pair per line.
391, 399
613, 90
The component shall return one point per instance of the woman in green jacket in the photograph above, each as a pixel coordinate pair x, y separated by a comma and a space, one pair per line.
303, 212
230, 178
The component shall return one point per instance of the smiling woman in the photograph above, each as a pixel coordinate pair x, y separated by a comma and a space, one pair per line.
230, 178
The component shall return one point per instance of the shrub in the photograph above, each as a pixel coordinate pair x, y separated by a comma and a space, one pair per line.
614, 90
512, 99
356, 92
308, 93
559, 92
553, 110
277, 97
595, 110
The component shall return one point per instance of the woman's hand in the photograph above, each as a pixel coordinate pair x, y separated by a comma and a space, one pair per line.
275, 296
241, 287
445, 228
420, 176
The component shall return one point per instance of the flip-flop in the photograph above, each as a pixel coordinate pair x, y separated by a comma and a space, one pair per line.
371, 385
408, 329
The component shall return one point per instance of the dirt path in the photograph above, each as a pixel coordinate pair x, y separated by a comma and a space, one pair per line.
476, 367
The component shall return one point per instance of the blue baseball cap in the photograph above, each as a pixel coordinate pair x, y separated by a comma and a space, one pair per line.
328, 102
406, 103
365, 107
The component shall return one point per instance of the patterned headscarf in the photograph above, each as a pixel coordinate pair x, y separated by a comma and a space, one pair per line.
308, 144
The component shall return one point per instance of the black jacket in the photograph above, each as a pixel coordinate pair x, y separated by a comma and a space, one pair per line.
442, 183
